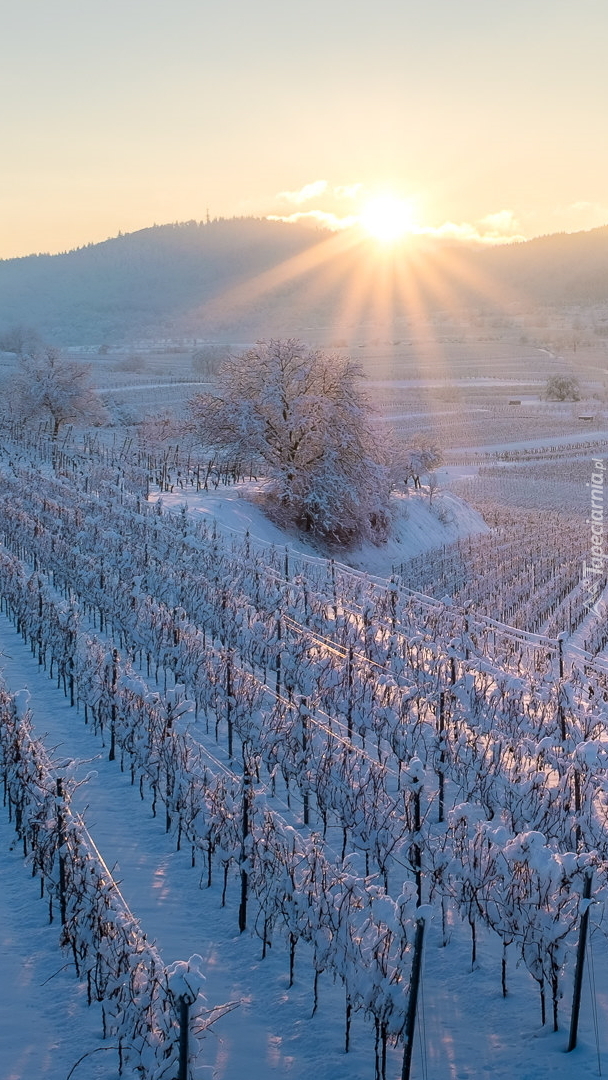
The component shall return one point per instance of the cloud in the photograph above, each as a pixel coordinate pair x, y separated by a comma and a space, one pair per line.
309, 191
499, 228
503, 223
584, 204
592, 213
582, 214
347, 191
317, 217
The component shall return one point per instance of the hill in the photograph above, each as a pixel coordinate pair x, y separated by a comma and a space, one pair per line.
563, 268
417, 526
248, 277
154, 282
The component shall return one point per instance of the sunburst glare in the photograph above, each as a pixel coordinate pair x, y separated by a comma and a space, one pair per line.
388, 218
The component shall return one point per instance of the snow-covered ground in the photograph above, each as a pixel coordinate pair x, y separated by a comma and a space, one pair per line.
45, 1024
419, 524
598, 435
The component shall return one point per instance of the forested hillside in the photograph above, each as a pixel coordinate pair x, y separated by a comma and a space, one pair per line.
250, 277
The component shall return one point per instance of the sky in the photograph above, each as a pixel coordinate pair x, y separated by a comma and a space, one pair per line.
485, 118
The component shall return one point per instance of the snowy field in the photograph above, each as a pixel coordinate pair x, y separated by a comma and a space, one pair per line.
466, 1029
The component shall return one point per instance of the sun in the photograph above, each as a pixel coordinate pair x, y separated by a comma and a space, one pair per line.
387, 218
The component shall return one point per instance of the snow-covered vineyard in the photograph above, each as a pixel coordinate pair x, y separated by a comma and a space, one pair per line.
362, 785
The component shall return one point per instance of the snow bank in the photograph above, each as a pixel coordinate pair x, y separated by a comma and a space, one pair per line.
419, 524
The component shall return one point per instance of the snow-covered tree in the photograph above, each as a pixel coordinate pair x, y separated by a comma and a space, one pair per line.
21, 340
420, 456
302, 413
49, 386
207, 359
156, 432
562, 388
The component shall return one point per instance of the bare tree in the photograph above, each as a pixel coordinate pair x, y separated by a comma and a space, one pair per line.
207, 359
48, 385
154, 433
433, 485
418, 457
21, 340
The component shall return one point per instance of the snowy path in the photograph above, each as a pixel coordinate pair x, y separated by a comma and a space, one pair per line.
45, 1023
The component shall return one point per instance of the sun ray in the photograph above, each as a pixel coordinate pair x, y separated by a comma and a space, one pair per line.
482, 284
379, 293
246, 293
355, 293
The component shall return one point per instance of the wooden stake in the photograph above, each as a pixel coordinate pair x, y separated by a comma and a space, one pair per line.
580, 963
412, 1005
184, 1009
61, 842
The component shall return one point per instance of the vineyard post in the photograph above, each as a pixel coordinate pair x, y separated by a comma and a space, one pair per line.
560, 705
393, 600
349, 676
70, 667
580, 962
303, 714
112, 754
229, 701
184, 1020
169, 765
412, 1005
278, 663
577, 809
245, 834
40, 610
560, 646
60, 843
417, 847
467, 608
440, 772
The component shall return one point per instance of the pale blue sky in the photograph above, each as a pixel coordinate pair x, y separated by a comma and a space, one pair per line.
118, 115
